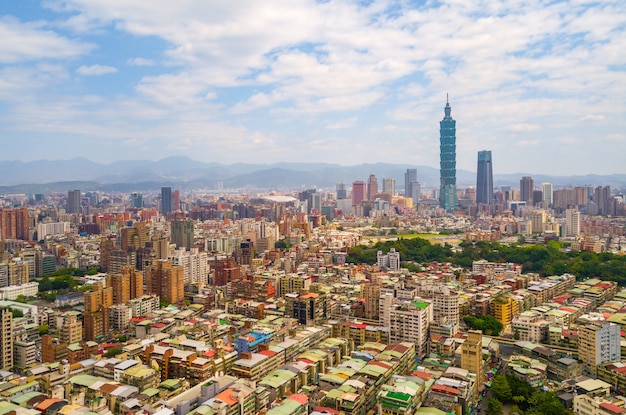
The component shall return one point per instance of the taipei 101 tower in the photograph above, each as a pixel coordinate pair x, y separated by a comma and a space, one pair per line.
447, 155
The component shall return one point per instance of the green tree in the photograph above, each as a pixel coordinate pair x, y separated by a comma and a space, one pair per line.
21, 298
113, 351
17, 313
43, 329
501, 389
494, 407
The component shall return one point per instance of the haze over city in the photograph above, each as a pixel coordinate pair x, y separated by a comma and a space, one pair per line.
540, 84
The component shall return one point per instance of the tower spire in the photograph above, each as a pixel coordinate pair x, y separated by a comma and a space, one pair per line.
447, 100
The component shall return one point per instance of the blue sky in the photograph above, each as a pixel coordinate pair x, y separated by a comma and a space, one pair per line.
540, 83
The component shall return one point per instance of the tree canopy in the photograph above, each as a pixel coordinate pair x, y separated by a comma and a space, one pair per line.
545, 260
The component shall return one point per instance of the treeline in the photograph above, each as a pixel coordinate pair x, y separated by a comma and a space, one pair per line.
523, 397
545, 260
411, 250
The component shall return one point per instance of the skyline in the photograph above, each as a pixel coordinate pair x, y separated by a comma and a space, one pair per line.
541, 85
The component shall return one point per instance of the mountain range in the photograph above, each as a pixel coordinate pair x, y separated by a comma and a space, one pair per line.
45, 176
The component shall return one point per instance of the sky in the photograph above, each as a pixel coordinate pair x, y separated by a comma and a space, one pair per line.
542, 84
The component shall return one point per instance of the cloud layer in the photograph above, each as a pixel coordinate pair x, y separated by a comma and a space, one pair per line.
541, 84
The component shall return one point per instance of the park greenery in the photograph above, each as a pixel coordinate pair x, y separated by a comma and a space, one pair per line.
548, 259
488, 324
526, 400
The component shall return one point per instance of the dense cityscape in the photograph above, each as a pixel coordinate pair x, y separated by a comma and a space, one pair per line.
363, 299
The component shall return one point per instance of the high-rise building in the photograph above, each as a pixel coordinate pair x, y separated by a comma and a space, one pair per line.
136, 200
358, 192
389, 186
6, 339
448, 199
526, 187
409, 177
166, 200
182, 233
484, 179
601, 197
472, 356
14, 224
572, 223
416, 193
372, 187
407, 321
547, 194
166, 280
73, 201
96, 320
598, 343
175, 200
195, 265
135, 237
342, 193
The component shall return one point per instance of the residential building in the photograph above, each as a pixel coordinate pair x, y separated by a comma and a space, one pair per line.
166, 280
6, 339
547, 193
598, 343
182, 233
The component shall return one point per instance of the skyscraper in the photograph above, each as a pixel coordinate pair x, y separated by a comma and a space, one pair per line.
342, 193
182, 233
358, 192
484, 179
372, 187
547, 193
409, 177
447, 161
389, 186
136, 200
73, 201
526, 187
166, 200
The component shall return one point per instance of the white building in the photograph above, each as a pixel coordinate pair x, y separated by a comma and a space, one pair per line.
391, 261
572, 223
144, 305
195, 265
408, 321
530, 326
547, 194
52, 229
11, 292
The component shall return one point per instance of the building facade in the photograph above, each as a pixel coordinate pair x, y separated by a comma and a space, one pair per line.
484, 179
447, 153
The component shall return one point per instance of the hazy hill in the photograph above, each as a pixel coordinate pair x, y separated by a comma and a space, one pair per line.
182, 172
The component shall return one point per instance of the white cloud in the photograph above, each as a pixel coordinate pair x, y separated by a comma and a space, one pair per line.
616, 137
512, 69
346, 123
95, 70
522, 127
526, 143
592, 117
140, 62
22, 42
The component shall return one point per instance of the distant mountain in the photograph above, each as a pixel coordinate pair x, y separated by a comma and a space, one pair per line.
44, 176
